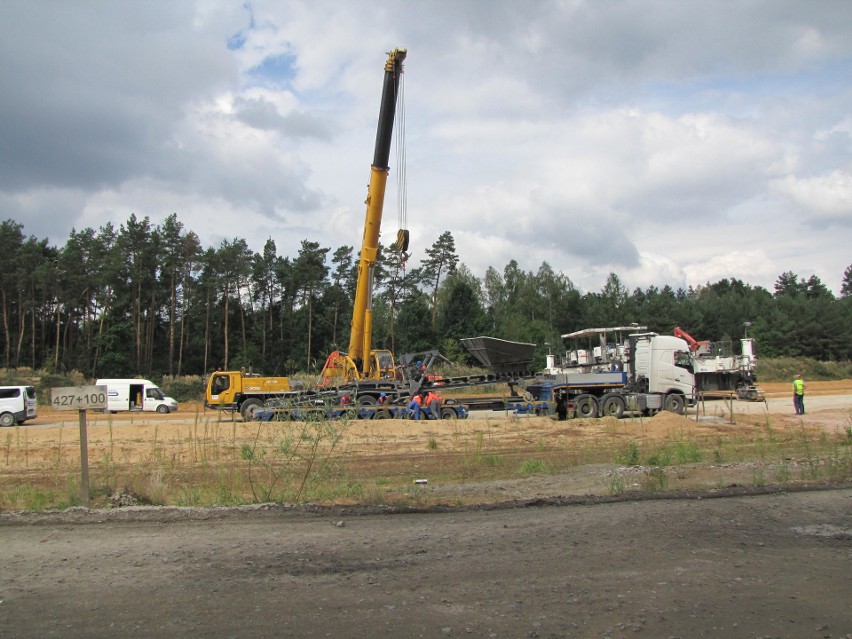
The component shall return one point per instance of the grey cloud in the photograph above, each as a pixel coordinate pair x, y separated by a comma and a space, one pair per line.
598, 245
91, 99
262, 114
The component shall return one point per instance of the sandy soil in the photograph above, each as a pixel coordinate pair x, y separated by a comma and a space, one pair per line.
400, 451
546, 556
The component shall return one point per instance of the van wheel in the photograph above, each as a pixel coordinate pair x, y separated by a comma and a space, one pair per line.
162, 409
7, 419
248, 408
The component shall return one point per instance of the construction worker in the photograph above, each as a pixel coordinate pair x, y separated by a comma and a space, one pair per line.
433, 402
419, 371
799, 394
414, 407
561, 407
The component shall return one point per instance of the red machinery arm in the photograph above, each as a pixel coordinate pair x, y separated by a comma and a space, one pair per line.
693, 343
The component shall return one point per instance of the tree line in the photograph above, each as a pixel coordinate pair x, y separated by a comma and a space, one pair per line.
151, 300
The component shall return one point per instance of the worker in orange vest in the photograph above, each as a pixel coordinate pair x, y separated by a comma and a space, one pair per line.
433, 402
414, 406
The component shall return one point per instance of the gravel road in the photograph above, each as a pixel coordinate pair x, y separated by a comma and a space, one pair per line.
770, 565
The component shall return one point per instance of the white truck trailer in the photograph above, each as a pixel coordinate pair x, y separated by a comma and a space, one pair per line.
136, 395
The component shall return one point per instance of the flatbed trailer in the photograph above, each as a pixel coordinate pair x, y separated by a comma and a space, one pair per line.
450, 409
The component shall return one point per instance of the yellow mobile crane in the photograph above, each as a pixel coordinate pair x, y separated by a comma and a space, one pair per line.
361, 362
236, 391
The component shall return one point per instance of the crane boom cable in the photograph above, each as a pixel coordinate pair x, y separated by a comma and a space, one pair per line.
401, 169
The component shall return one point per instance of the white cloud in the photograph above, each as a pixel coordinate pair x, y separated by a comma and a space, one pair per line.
825, 198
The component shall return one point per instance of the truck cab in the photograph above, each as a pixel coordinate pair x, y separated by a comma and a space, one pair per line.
659, 360
243, 392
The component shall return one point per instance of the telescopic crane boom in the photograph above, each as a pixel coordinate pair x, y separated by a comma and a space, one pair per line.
360, 361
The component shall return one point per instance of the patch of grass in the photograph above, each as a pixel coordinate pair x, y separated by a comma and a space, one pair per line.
492, 460
687, 452
782, 474
372, 495
661, 457
654, 480
811, 461
223, 462
838, 464
29, 497
616, 485
630, 455
533, 467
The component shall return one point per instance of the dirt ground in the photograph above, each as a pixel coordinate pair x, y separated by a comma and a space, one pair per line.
771, 565
551, 555
400, 451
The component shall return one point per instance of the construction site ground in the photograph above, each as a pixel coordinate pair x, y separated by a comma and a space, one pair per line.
750, 547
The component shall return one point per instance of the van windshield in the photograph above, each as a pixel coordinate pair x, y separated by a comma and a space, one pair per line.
154, 393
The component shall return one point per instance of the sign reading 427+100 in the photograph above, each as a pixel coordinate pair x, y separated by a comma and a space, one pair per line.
79, 398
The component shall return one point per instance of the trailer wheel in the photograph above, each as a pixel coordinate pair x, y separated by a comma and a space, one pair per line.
366, 400
7, 419
613, 406
675, 403
448, 413
586, 406
162, 409
248, 408
382, 413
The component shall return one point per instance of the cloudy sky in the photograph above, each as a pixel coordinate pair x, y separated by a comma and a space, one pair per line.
670, 142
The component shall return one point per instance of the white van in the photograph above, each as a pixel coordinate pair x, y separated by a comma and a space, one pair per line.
136, 394
17, 404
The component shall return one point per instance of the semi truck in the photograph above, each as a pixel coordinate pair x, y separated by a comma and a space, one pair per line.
643, 373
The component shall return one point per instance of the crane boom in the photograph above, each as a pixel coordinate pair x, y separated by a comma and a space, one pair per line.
362, 314
360, 362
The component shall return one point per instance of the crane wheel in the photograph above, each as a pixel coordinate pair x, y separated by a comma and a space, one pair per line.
248, 408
